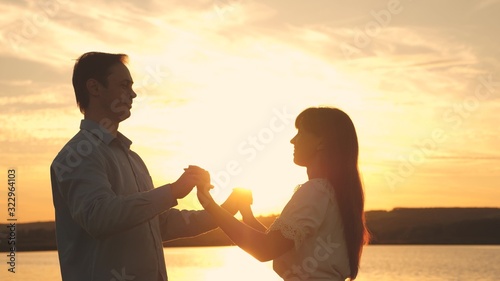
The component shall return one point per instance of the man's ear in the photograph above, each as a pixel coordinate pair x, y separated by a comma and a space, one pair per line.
93, 87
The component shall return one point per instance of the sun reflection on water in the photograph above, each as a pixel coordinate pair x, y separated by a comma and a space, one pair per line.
230, 264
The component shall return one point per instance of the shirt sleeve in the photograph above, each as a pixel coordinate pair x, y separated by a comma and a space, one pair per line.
176, 223
304, 213
87, 193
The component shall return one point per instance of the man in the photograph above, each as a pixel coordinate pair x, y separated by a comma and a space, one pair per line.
110, 220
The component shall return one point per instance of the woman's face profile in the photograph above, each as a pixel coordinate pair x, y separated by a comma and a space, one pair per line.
306, 146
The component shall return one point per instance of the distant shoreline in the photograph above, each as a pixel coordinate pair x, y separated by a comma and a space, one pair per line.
400, 226
371, 245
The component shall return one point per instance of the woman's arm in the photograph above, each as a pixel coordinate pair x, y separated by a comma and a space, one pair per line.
244, 202
262, 246
250, 220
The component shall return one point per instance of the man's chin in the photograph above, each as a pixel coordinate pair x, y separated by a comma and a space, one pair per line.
124, 116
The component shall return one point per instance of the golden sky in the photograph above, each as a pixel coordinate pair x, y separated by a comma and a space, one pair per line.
220, 83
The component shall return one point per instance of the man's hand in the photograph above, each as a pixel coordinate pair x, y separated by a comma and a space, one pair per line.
192, 176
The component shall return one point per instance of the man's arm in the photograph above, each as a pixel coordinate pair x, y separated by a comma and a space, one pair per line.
93, 204
188, 223
176, 223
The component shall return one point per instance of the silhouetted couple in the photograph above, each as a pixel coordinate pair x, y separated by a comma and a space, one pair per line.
111, 220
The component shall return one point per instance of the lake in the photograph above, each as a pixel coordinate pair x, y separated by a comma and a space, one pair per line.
379, 263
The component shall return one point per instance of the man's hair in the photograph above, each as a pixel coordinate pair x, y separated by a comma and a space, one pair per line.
93, 65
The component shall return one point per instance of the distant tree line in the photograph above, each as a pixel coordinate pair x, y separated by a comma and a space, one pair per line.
399, 226
435, 226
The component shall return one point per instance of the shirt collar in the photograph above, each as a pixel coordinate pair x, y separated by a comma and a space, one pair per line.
103, 134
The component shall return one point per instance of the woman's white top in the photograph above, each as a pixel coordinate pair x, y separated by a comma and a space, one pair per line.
312, 220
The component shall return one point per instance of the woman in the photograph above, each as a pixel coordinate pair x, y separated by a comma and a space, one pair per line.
321, 231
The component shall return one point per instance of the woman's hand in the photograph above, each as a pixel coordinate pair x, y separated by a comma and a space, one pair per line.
245, 200
192, 176
244, 206
203, 185
203, 176
204, 196
237, 200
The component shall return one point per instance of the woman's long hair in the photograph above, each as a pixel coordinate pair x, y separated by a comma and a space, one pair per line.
340, 159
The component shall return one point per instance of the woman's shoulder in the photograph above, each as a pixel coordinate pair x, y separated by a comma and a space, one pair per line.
322, 186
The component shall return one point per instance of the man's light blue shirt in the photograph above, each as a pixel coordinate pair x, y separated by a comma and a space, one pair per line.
110, 220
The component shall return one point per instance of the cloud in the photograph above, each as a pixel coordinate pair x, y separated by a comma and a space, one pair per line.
470, 157
221, 67
484, 4
15, 82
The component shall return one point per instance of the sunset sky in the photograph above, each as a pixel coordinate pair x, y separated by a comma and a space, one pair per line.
219, 84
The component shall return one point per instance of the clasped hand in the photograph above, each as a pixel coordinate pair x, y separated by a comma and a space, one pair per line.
192, 176
239, 200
